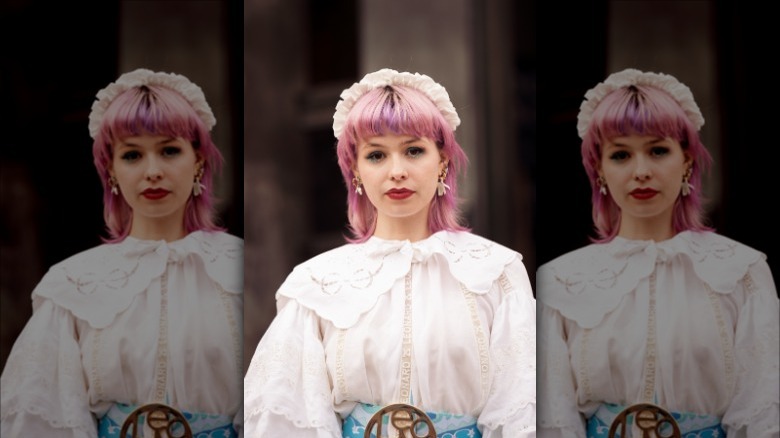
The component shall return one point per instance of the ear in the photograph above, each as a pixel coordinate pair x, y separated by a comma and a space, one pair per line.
688, 160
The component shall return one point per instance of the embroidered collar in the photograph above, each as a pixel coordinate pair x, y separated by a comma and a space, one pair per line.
588, 283
343, 283
99, 283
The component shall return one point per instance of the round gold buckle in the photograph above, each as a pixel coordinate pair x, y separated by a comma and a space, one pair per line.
652, 420
405, 419
161, 419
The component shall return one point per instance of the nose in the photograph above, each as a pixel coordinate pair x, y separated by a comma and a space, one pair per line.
153, 170
398, 170
642, 170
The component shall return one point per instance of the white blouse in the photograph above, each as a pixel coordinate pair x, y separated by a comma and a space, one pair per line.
133, 322
690, 323
464, 306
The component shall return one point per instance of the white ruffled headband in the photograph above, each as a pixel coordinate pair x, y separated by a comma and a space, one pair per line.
385, 77
668, 83
140, 77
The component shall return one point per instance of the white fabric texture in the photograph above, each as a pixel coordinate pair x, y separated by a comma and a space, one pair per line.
337, 339
715, 333
93, 337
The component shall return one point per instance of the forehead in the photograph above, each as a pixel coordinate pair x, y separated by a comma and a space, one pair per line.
390, 140
148, 140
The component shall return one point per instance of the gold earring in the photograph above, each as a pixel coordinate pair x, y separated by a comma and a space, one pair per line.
112, 182
358, 184
686, 188
602, 183
198, 188
441, 186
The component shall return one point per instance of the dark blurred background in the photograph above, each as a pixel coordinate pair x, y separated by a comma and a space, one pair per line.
720, 49
56, 56
298, 57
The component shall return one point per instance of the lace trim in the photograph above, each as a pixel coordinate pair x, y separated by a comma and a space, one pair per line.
234, 335
584, 370
96, 380
726, 343
340, 373
648, 394
405, 394
505, 284
161, 369
482, 344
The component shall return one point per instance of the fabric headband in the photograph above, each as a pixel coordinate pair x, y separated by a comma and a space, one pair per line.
668, 83
382, 78
139, 77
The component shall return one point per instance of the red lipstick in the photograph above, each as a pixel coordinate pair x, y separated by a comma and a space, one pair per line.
643, 193
155, 194
399, 193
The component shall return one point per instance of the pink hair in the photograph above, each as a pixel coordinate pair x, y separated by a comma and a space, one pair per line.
643, 110
399, 110
155, 110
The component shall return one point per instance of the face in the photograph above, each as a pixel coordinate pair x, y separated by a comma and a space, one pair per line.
155, 175
644, 176
399, 175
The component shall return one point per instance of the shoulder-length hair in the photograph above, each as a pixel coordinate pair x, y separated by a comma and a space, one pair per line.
155, 110
399, 110
643, 110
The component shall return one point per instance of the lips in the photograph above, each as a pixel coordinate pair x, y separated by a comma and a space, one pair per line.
155, 193
643, 193
399, 193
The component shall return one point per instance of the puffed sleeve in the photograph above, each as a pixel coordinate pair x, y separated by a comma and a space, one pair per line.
43, 387
558, 415
286, 389
755, 408
510, 410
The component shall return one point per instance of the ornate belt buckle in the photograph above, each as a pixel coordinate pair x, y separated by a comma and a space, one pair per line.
652, 420
162, 420
406, 420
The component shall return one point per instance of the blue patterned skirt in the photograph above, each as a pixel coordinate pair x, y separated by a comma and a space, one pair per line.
202, 425
446, 425
691, 425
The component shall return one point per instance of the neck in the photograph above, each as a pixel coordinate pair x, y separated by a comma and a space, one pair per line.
412, 229
168, 229
656, 229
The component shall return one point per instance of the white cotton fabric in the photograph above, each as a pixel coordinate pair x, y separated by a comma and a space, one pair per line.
93, 337
337, 338
716, 332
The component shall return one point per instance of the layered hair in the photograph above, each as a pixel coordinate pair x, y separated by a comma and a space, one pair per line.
645, 111
399, 110
155, 110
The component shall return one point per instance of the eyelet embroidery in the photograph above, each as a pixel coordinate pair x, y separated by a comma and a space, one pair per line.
584, 372
340, 372
96, 364
474, 250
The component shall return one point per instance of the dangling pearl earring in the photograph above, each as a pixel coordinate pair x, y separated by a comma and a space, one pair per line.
602, 185
441, 186
358, 184
198, 188
686, 188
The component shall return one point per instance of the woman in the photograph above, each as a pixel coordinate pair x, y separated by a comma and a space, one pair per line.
153, 315
414, 309
659, 309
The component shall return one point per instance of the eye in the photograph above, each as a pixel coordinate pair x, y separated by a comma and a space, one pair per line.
375, 156
619, 156
415, 151
130, 156
659, 151
171, 151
